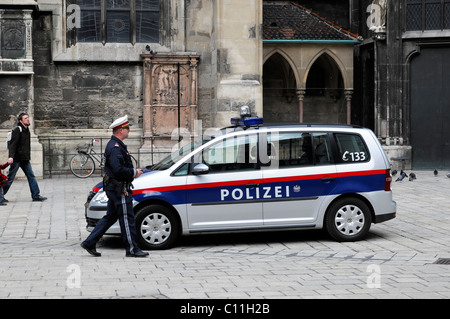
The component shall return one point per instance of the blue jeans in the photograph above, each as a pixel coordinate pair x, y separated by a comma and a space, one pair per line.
28, 171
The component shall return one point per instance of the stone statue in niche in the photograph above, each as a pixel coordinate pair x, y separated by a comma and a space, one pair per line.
166, 84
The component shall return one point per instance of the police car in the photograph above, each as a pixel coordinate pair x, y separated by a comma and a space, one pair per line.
252, 176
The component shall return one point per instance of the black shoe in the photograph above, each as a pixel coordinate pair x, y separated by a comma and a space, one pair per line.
92, 251
39, 199
3, 203
139, 253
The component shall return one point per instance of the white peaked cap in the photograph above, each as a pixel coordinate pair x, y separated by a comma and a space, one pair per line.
120, 122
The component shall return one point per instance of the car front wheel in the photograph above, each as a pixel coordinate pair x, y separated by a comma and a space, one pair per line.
157, 227
348, 219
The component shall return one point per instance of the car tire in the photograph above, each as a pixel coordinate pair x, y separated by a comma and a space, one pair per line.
348, 219
157, 227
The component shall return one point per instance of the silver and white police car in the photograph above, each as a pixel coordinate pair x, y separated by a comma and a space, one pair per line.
261, 177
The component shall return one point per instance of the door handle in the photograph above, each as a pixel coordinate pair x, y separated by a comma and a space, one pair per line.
328, 179
251, 185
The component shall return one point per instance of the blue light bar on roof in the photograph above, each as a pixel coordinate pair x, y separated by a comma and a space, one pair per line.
246, 121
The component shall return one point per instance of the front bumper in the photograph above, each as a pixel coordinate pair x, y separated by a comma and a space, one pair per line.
94, 211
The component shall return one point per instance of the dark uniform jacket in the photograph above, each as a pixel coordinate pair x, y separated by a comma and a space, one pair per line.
20, 146
119, 166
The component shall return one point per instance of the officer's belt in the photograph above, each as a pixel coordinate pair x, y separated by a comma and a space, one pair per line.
121, 187
109, 180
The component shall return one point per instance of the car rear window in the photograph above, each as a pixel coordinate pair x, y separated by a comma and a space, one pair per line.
352, 148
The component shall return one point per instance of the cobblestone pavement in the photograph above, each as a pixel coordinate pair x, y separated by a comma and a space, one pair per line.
40, 256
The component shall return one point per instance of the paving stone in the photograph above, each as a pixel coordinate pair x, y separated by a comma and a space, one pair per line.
40, 254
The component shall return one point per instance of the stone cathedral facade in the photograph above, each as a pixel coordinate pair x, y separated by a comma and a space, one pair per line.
187, 65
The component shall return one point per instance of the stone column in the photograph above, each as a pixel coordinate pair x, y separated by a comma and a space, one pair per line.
147, 113
348, 98
300, 96
16, 59
193, 68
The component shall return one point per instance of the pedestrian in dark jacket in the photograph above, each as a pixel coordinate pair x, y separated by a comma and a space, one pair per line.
20, 156
3, 178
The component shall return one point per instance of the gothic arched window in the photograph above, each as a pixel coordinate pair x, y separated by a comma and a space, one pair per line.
119, 21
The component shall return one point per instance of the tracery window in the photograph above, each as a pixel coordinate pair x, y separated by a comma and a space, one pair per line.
118, 21
427, 15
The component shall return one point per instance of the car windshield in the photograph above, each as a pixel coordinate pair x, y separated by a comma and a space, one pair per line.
168, 161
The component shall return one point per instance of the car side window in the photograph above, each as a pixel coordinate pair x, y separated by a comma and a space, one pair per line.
236, 153
293, 149
322, 150
352, 148
183, 170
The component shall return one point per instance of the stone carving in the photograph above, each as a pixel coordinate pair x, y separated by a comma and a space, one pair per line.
16, 56
164, 75
13, 35
166, 87
13, 39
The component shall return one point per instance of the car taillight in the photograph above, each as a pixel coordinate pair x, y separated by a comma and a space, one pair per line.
387, 180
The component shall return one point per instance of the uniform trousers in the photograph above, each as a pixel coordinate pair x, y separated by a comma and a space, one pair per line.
119, 207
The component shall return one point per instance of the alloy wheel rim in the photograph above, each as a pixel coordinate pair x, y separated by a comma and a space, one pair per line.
155, 228
349, 220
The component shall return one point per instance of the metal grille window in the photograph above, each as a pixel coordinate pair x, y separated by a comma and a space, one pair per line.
147, 21
90, 25
118, 21
427, 15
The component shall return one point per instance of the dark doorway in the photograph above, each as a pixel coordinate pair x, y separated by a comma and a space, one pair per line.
430, 109
280, 103
324, 101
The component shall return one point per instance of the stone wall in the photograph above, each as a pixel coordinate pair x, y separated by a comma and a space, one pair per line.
79, 100
239, 58
227, 35
78, 89
14, 99
86, 96
81, 95
381, 82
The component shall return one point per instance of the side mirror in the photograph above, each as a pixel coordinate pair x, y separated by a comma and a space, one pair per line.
200, 169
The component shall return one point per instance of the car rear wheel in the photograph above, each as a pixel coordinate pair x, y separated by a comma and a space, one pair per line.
348, 219
157, 227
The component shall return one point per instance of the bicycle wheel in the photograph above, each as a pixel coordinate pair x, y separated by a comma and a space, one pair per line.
82, 165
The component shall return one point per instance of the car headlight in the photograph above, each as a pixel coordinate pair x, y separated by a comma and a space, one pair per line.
101, 197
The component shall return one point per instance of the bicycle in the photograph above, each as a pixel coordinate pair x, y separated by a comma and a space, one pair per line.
82, 165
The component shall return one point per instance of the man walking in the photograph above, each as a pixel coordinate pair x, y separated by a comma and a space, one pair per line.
20, 155
120, 173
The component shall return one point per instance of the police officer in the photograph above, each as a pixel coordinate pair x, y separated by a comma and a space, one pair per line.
117, 184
